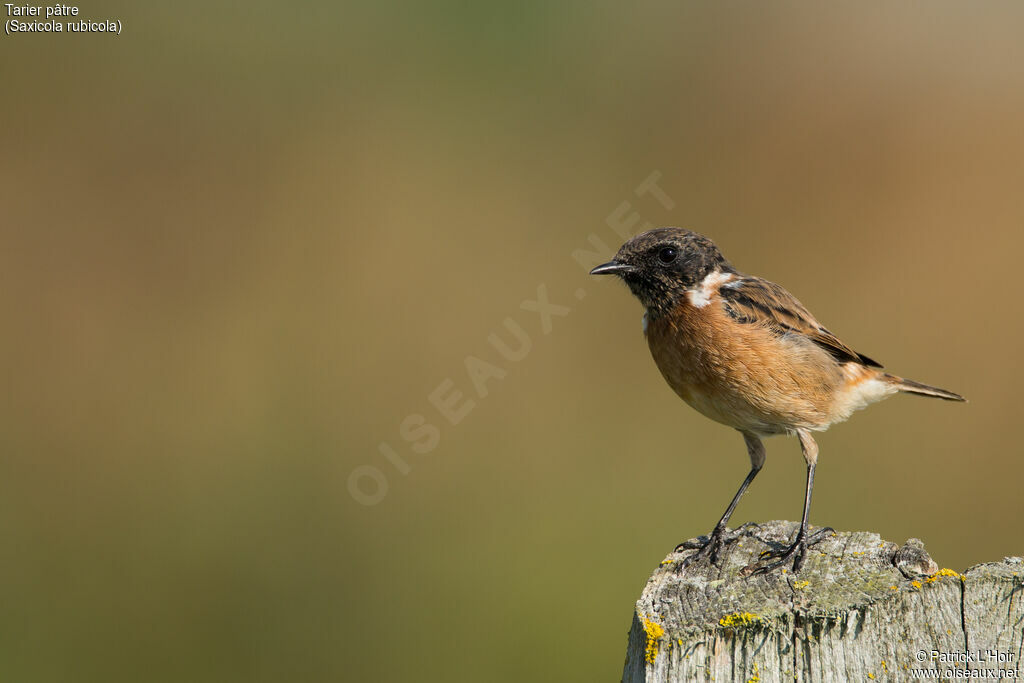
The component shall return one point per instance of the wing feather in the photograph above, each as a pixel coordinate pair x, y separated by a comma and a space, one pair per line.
753, 300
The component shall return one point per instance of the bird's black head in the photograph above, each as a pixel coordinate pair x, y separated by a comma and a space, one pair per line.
661, 265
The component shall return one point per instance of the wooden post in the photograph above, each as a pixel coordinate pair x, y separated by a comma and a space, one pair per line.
861, 609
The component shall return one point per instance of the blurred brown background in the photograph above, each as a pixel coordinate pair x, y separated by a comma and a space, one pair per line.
241, 245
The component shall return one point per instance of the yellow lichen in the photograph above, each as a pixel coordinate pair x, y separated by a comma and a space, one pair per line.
757, 675
884, 667
654, 633
871, 676
739, 619
916, 584
894, 588
945, 572
799, 585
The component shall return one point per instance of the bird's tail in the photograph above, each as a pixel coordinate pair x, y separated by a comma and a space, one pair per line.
909, 386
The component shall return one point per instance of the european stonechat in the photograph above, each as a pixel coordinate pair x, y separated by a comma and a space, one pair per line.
744, 352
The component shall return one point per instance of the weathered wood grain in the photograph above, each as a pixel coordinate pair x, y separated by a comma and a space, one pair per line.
861, 609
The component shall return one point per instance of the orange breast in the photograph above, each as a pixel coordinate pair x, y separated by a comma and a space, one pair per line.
743, 375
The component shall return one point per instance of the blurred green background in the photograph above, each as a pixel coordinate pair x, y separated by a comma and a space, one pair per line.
242, 243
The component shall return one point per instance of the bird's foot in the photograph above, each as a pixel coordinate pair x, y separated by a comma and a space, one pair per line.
709, 546
773, 559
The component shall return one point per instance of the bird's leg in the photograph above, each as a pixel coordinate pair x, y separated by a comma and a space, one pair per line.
717, 538
796, 552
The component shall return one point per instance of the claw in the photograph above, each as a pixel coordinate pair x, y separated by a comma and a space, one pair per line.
709, 546
796, 552
693, 544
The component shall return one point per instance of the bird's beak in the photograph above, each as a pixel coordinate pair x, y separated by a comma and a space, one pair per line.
612, 268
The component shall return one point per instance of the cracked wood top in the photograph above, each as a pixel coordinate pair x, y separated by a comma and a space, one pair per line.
861, 609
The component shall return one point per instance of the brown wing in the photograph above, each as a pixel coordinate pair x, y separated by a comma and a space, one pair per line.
756, 301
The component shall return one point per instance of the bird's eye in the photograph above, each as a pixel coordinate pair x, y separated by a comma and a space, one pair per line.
667, 255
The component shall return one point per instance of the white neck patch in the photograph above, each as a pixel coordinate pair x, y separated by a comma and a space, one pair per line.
701, 296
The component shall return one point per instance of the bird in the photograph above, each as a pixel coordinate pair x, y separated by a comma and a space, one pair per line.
744, 352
